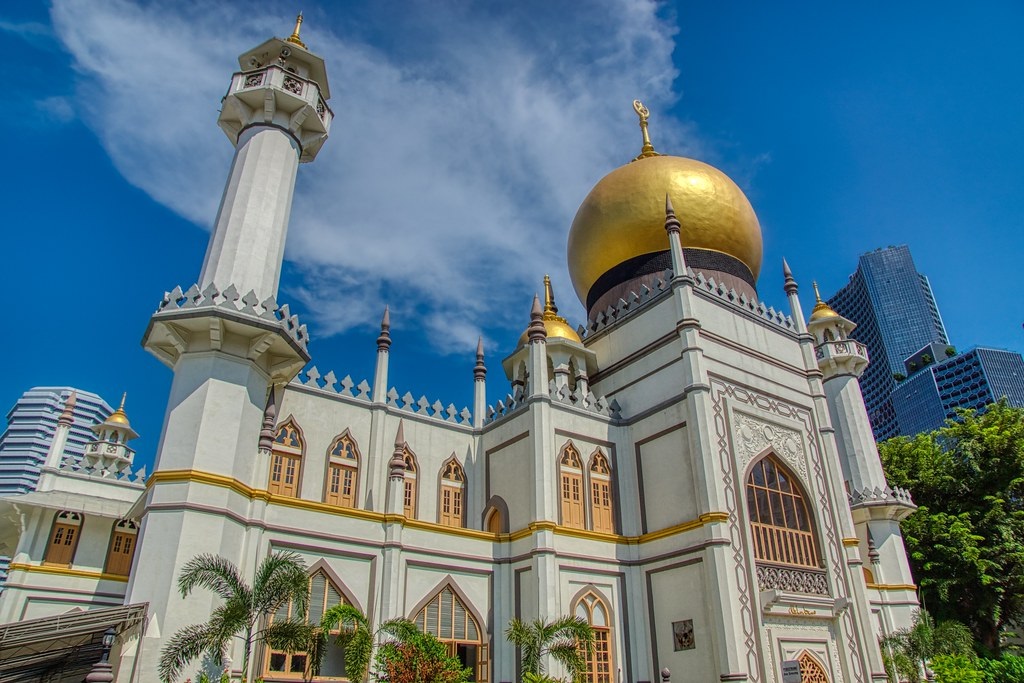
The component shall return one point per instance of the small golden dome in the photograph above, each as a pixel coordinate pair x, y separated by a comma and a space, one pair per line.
555, 325
821, 309
623, 217
119, 417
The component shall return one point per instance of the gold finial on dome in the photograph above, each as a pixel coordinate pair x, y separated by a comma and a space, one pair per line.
821, 309
119, 416
648, 149
556, 326
294, 37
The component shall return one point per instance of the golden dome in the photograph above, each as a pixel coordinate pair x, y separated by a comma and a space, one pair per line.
119, 417
821, 309
555, 325
624, 215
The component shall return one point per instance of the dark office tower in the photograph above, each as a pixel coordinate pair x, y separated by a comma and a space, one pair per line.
896, 315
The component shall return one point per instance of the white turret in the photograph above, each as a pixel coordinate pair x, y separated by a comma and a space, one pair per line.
55, 454
275, 113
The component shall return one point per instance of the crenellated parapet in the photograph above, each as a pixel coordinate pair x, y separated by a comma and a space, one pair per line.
331, 385
111, 470
422, 406
584, 400
215, 320
625, 307
888, 502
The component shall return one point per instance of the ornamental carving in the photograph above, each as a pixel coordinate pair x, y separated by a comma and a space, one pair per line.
754, 436
791, 579
253, 80
293, 85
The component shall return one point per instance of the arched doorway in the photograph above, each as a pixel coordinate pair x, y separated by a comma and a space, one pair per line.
447, 617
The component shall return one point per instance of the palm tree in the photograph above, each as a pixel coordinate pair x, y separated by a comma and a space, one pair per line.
568, 640
280, 578
907, 651
355, 637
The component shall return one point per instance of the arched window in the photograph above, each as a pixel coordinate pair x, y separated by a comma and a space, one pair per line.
409, 493
342, 472
447, 618
811, 670
601, 493
453, 489
827, 335
286, 460
67, 529
493, 522
323, 594
779, 518
599, 664
570, 470
122, 547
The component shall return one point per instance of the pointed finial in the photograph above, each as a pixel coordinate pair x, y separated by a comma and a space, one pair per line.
119, 416
266, 441
536, 331
294, 37
384, 340
549, 297
397, 463
790, 284
67, 417
648, 149
671, 222
821, 309
479, 370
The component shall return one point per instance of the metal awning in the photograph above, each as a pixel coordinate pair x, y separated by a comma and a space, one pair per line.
63, 645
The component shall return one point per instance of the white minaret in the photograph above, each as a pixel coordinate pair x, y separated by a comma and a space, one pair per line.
276, 114
877, 508
228, 348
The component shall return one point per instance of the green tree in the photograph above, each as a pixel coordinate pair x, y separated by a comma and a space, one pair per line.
909, 651
966, 539
279, 578
355, 637
418, 657
568, 640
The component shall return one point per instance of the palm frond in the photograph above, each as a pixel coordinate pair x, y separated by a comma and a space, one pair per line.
567, 653
290, 636
399, 629
214, 573
281, 577
227, 620
184, 646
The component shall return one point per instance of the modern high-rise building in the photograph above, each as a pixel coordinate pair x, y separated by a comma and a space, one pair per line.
896, 315
30, 427
973, 379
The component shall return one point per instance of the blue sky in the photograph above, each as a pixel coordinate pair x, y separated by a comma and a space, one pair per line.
466, 134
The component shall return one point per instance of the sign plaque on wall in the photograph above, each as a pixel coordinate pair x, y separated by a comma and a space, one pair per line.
791, 671
682, 635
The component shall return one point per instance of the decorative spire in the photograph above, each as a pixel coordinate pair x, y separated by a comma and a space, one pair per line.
266, 442
384, 340
873, 555
294, 37
479, 370
549, 297
790, 284
119, 416
67, 417
648, 149
397, 463
671, 222
821, 309
536, 331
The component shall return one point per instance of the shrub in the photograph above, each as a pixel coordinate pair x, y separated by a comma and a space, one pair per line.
1008, 669
956, 669
950, 351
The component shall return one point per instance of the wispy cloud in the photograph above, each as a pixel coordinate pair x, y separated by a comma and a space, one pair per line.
464, 139
55, 109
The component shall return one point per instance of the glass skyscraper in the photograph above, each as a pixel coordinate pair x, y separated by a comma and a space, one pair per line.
31, 424
896, 315
970, 380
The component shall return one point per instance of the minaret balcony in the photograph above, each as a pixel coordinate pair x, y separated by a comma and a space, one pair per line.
842, 355
274, 95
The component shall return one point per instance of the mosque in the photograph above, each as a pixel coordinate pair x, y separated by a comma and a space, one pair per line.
691, 471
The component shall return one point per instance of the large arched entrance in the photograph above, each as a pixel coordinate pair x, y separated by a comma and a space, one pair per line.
448, 618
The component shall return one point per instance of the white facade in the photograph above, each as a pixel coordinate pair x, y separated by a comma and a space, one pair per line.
615, 481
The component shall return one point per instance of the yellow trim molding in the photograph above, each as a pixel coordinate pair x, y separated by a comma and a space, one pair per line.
198, 477
893, 586
850, 542
66, 571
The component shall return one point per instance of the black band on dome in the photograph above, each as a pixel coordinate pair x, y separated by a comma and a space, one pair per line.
660, 261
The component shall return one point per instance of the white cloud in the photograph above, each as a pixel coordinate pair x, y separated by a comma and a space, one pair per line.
55, 108
463, 140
